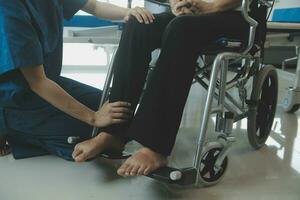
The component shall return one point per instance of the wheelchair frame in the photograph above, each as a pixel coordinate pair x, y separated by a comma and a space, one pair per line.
224, 120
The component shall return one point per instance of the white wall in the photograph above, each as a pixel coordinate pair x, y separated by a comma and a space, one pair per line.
287, 3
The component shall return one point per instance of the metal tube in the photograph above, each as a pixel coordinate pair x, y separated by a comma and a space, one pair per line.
240, 117
209, 98
129, 3
227, 106
234, 102
221, 97
106, 86
297, 81
210, 94
222, 88
253, 25
233, 84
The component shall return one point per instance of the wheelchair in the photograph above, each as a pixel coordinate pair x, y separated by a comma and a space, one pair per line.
211, 158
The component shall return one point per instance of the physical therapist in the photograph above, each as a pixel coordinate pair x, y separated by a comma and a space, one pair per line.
39, 109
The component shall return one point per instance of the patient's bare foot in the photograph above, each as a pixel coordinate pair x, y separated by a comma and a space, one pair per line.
142, 162
90, 148
4, 147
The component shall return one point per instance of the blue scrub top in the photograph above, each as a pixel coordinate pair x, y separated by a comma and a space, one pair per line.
31, 34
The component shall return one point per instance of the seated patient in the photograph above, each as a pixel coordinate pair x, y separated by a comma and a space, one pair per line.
39, 109
182, 35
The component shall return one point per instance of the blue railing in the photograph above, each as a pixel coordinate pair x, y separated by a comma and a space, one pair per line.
291, 15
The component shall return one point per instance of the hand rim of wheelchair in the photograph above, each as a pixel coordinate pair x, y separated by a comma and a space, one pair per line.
209, 157
261, 115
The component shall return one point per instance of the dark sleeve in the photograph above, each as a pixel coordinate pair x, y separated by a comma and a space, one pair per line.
19, 43
71, 7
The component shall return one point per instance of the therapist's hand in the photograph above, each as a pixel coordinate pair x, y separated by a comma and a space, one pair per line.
141, 14
112, 113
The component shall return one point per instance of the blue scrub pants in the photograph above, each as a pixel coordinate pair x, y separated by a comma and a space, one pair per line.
44, 129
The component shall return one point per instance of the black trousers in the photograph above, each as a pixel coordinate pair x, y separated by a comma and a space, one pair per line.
181, 40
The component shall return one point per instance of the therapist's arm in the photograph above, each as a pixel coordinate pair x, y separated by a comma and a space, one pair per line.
113, 12
110, 113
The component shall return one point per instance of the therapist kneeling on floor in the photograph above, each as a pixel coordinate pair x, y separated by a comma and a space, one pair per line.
39, 109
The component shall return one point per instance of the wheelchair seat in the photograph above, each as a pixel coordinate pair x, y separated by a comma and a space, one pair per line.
224, 44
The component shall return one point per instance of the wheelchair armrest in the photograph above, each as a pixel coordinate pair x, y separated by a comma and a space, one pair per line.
253, 24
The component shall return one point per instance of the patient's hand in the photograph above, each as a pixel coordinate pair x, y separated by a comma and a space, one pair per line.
141, 14
113, 113
182, 7
201, 7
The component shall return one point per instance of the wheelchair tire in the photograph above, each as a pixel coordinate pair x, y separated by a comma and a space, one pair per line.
208, 175
262, 111
294, 109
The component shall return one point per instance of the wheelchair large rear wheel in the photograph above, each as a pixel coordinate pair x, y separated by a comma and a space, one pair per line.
263, 106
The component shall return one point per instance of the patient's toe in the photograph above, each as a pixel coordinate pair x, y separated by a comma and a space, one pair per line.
76, 152
141, 170
147, 170
134, 170
128, 170
121, 171
81, 157
144, 162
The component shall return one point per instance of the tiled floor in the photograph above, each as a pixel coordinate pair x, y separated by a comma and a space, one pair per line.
272, 173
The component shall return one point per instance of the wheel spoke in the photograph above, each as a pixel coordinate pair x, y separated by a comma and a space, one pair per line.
265, 94
268, 91
263, 118
205, 170
212, 173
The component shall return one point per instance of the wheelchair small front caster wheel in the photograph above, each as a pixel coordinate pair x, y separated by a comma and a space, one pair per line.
291, 101
262, 112
208, 174
293, 109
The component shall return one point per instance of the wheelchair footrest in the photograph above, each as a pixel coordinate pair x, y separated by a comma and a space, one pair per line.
186, 176
114, 156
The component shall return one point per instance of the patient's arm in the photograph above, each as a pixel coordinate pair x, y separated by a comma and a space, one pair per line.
215, 6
